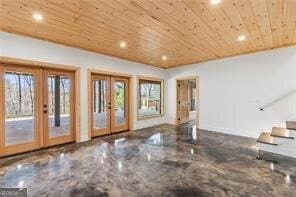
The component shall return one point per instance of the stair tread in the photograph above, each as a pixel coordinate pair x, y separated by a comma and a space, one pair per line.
280, 132
287, 137
266, 138
291, 125
290, 128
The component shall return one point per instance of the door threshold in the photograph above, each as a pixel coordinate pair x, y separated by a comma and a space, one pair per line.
110, 134
36, 150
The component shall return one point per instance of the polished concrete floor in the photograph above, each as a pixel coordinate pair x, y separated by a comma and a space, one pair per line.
163, 160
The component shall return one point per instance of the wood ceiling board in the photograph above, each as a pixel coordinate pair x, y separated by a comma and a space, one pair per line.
186, 31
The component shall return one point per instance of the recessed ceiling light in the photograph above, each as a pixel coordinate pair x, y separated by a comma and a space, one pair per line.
37, 16
241, 38
215, 2
164, 58
122, 44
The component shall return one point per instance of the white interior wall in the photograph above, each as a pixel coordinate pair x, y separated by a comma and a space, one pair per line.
232, 90
15, 46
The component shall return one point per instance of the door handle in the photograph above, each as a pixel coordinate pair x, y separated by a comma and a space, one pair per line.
45, 111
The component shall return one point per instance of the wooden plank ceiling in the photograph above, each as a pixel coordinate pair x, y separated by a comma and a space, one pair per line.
185, 31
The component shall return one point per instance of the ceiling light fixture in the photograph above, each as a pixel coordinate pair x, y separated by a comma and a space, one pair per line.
122, 44
37, 16
241, 38
215, 2
164, 58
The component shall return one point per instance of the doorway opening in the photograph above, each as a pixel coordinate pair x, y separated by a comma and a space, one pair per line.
37, 108
110, 103
187, 100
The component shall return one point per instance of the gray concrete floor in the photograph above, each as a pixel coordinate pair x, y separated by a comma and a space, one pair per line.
164, 160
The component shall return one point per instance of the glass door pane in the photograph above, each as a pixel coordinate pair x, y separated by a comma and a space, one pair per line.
120, 104
19, 107
59, 88
100, 105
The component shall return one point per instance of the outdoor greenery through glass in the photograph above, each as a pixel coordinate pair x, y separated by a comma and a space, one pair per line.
149, 98
100, 104
59, 105
19, 108
119, 99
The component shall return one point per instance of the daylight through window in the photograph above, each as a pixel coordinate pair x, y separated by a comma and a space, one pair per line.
150, 93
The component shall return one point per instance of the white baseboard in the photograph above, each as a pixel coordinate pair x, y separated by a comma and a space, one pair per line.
226, 131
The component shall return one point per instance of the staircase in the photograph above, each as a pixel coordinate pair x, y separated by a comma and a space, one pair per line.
280, 141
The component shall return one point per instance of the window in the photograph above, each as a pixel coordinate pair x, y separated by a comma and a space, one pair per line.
150, 98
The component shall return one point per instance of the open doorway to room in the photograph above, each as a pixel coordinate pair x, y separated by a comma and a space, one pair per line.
187, 100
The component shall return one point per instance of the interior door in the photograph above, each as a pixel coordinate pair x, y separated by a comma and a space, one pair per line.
100, 105
183, 101
119, 104
58, 107
20, 113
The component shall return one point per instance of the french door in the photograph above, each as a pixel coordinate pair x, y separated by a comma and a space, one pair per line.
36, 108
58, 107
109, 104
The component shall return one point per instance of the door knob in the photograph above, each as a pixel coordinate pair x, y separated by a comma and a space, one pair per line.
45, 111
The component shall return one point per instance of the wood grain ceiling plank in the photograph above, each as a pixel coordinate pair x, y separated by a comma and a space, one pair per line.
192, 33
187, 31
289, 20
123, 30
228, 8
145, 15
26, 28
254, 34
197, 27
216, 18
275, 9
214, 25
191, 29
96, 33
261, 14
117, 12
165, 44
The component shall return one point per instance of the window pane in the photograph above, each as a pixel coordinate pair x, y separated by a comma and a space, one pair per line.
19, 108
150, 98
59, 105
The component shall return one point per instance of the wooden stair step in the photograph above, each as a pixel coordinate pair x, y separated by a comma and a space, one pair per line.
291, 125
266, 138
281, 132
